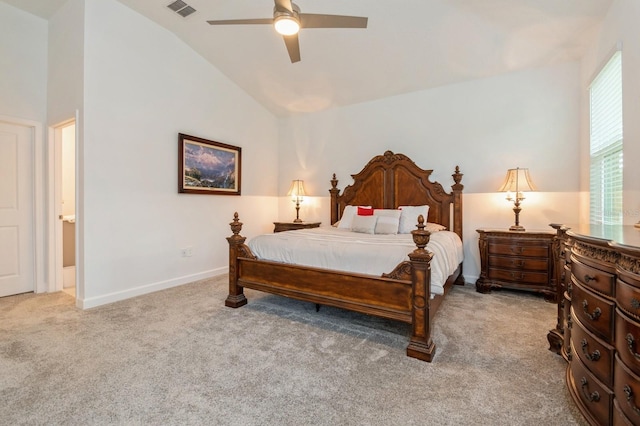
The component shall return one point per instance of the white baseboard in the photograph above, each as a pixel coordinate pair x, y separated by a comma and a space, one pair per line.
470, 279
93, 302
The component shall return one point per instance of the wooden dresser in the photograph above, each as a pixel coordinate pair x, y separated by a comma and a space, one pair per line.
598, 327
516, 259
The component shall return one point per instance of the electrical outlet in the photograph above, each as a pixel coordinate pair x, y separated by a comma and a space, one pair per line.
187, 251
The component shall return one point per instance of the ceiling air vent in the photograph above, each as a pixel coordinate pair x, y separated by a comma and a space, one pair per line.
181, 8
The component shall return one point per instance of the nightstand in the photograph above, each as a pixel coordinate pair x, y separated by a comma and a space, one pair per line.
291, 226
521, 260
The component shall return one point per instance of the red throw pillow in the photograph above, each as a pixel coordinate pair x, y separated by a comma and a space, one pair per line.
365, 211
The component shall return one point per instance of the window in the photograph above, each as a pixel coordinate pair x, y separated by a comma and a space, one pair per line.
605, 95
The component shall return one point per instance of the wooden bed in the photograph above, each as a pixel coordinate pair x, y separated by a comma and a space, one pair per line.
387, 181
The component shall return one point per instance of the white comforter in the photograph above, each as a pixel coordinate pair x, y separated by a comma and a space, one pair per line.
343, 250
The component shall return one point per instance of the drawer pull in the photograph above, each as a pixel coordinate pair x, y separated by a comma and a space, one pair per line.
517, 275
588, 278
590, 356
631, 345
517, 249
569, 322
629, 393
596, 312
591, 397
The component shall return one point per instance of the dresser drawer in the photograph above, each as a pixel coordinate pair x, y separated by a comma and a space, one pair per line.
628, 341
592, 393
519, 249
519, 276
600, 281
519, 263
566, 276
619, 418
596, 355
628, 299
627, 391
595, 312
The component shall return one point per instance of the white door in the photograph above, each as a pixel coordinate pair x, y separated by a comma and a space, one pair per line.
17, 249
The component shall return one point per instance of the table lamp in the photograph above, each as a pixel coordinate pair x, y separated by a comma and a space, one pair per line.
517, 181
296, 192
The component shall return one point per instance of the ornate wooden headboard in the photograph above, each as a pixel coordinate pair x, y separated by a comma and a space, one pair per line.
392, 180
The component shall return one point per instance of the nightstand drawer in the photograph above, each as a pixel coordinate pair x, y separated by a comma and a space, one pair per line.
536, 250
519, 263
519, 276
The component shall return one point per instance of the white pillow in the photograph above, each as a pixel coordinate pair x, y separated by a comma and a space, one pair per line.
434, 227
409, 217
364, 224
347, 216
388, 221
387, 225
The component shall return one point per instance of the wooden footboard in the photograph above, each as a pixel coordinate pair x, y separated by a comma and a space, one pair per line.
404, 294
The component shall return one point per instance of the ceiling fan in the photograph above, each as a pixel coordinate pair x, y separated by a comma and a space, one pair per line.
288, 20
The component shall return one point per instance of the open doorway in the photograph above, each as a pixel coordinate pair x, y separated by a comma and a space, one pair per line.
65, 199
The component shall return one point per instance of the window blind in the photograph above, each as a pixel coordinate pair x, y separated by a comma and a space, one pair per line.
606, 166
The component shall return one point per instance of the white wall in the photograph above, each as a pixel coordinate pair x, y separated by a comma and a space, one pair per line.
526, 119
65, 59
23, 64
620, 27
142, 86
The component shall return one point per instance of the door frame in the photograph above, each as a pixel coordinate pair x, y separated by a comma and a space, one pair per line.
54, 208
39, 236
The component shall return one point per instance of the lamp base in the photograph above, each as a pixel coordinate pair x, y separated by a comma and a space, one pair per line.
296, 220
516, 228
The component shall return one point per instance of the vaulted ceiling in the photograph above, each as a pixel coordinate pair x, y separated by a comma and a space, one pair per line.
409, 45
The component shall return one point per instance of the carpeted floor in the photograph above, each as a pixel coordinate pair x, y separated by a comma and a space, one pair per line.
180, 357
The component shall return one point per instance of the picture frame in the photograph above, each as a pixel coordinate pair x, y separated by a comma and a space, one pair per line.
208, 167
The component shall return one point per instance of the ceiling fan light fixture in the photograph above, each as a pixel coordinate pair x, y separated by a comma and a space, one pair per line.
286, 25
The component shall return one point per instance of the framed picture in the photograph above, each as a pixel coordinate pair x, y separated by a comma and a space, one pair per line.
208, 167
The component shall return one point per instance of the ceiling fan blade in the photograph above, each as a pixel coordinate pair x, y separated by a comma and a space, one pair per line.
242, 21
312, 20
284, 5
293, 47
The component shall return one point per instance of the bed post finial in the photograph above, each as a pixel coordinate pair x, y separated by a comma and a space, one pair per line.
420, 236
334, 182
236, 225
457, 177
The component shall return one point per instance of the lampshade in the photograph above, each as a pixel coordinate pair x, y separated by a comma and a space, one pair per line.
517, 180
296, 190
286, 25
